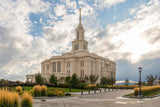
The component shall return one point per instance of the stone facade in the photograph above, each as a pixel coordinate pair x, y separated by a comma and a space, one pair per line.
78, 61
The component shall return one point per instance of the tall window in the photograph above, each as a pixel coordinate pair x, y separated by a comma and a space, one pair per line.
58, 66
76, 47
91, 63
68, 63
82, 73
43, 69
54, 66
48, 67
112, 74
78, 35
91, 72
84, 46
82, 35
82, 63
68, 71
106, 65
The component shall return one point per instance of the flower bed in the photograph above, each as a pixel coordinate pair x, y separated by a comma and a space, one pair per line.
56, 92
122, 86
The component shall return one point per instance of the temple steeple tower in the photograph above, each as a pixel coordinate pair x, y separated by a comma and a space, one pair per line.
80, 30
79, 44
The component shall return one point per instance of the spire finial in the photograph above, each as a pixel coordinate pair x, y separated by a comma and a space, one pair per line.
79, 15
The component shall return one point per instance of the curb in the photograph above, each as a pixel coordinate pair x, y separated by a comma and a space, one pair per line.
142, 97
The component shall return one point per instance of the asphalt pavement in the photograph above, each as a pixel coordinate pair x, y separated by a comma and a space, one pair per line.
104, 99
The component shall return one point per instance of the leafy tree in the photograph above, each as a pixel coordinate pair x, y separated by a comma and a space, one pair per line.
3, 81
143, 83
155, 79
93, 78
150, 80
74, 80
126, 82
85, 79
112, 81
53, 79
39, 79
68, 80
159, 80
104, 81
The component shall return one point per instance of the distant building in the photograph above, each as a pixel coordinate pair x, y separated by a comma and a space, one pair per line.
78, 61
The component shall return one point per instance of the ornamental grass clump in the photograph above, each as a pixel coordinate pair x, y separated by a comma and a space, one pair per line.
8, 99
37, 90
26, 100
44, 90
91, 86
18, 89
147, 90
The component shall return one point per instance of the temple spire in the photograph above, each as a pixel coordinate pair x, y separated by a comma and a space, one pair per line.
79, 15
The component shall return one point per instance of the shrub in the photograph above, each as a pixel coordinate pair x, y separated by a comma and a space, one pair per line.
60, 93
51, 93
18, 89
56, 92
44, 90
26, 100
81, 85
8, 99
91, 86
37, 90
68, 94
31, 92
20, 93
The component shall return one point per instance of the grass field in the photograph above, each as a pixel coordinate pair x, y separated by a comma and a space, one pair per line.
27, 88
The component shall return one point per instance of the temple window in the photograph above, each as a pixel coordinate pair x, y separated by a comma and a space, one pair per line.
58, 66
82, 73
76, 47
84, 46
54, 66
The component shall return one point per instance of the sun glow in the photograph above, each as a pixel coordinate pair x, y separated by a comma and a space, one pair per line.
134, 44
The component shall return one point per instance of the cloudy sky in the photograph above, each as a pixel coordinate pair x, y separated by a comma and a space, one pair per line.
126, 31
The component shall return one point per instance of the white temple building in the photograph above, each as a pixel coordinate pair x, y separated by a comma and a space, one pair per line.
78, 61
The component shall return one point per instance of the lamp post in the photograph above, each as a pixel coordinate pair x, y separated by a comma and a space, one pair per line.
140, 93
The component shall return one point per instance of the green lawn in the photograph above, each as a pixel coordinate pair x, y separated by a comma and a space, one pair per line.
27, 88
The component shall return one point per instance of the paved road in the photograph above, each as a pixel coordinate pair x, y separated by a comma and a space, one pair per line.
108, 99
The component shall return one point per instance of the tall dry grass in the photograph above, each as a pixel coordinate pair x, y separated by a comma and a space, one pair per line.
147, 90
26, 100
37, 90
44, 90
8, 99
18, 89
